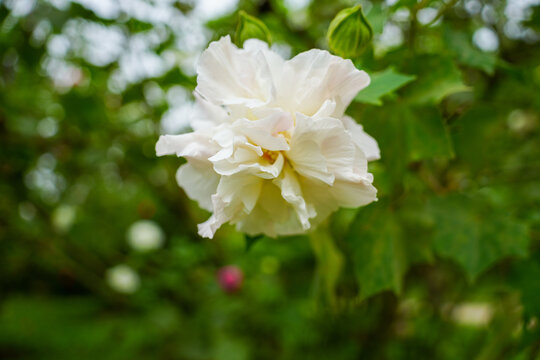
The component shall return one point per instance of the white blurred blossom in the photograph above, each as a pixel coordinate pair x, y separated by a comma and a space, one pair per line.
123, 279
473, 314
272, 150
145, 235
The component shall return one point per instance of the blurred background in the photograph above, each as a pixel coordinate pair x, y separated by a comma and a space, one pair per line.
98, 245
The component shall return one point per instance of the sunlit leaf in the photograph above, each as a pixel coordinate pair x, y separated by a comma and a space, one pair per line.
383, 83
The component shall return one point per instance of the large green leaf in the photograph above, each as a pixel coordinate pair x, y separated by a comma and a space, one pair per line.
427, 135
474, 234
460, 44
437, 77
383, 83
375, 240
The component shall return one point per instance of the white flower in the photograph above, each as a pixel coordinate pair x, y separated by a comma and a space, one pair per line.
123, 279
271, 149
145, 235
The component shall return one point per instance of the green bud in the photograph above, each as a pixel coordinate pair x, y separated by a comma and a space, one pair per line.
249, 27
349, 33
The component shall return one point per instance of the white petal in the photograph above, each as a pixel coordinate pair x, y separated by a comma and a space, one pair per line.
306, 154
365, 142
199, 181
220, 216
191, 145
240, 188
314, 76
271, 216
292, 193
307, 159
236, 196
273, 60
351, 195
340, 154
228, 75
318, 195
264, 132
206, 114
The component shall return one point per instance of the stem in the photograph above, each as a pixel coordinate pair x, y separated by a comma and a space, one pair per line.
441, 12
329, 263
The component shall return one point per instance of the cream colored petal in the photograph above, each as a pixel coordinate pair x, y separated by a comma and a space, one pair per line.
206, 114
228, 75
271, 216
236, 196
340, 154
307, 159
199, 181
263, 132
273, 60
292, 193
241, 188
351, 194
365, 142
222, 214
314, 76
191, 145
306, 154
318, 195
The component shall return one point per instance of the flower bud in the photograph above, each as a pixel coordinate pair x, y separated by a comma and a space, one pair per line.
230, 278
349, 33
249, 27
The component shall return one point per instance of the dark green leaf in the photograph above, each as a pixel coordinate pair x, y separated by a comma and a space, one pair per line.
437, 77
460, 44
427, 135
474, 234
375, 240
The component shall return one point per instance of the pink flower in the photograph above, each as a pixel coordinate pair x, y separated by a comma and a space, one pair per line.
230, 278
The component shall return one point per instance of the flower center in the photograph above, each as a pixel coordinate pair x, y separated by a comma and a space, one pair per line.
270, 156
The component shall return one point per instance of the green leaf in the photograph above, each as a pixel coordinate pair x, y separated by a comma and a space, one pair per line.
427, 135
349, 33
459, 43
379, 258
437, 77
249, 27
377, 17
524, 275
251, 240
383, 83
474, 234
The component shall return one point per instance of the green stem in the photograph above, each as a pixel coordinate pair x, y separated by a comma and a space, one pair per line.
329, 263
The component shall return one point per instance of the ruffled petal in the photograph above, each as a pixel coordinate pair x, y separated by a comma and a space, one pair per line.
229, 75
312, 77
292, 193
199, 181
366, 143
193, 145
206, 114
353, 194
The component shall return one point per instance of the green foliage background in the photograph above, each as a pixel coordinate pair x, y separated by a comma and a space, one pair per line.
457, 225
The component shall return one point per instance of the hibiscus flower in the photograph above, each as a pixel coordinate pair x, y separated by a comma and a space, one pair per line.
272, 150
